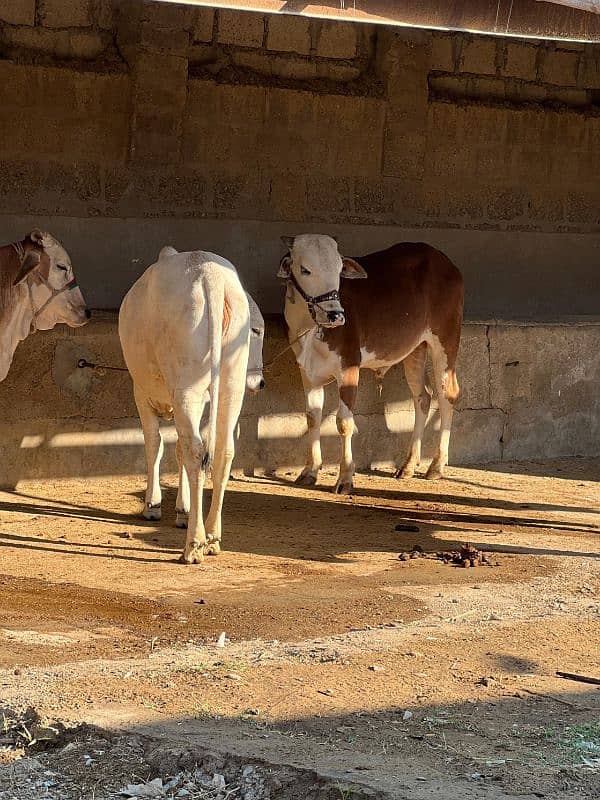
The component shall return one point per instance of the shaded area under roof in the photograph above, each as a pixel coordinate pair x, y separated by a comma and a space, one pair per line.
555, 19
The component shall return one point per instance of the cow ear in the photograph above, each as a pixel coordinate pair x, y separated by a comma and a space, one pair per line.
30, 262
285, 266
288, 241
352, 269
37, 236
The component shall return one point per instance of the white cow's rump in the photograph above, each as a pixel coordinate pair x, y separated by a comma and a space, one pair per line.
38, 290
187, 331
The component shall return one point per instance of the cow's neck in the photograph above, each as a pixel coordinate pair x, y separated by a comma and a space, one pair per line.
14, 328
296, 313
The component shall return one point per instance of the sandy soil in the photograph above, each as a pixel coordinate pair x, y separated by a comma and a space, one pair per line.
331, 638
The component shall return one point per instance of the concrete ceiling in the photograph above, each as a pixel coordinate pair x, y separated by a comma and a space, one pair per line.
540, 19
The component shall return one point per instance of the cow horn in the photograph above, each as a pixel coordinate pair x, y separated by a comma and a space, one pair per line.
30, 262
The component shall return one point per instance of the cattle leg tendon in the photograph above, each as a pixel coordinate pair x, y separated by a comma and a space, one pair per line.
414, 369
227, 417
315, 397
188, 414
153, 445
182, 504
446, 387
345, 426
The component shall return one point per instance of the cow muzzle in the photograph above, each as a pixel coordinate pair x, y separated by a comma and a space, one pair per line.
255, 381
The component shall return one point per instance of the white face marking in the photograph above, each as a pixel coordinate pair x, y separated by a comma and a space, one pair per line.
317, 265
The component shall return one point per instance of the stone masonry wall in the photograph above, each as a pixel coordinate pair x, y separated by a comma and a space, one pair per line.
527, 392
120, 113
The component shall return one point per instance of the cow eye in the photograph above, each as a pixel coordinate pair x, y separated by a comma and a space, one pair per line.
304, 271
256, 331
61, 266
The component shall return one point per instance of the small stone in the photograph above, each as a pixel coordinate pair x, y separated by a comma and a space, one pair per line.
376, 668
407, 715
221, 640
404, 557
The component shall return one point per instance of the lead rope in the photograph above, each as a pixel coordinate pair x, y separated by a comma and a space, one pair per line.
100, 368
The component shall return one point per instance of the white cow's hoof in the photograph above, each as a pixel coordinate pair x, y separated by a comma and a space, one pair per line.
405, 472
181, 520
306, 478
343, 487
152, 512
194, 554
212, 547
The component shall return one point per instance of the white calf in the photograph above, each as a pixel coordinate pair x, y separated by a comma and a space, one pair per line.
186, 331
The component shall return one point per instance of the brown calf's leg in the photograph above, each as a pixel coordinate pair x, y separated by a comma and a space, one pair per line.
414, 369
315, 397
446, 386
348, 386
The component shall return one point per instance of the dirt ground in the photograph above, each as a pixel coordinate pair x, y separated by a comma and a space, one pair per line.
403, 678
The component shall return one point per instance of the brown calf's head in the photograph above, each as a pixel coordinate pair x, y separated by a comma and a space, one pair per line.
55, 295
314, 267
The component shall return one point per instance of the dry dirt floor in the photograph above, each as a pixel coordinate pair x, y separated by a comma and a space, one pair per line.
374, 676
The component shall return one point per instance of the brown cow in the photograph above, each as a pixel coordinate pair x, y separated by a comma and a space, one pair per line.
411, 300
37, 290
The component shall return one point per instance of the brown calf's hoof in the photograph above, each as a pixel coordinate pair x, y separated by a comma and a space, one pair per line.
152, 512
193, 554
306, 479
403, 473
435, 473
343, 487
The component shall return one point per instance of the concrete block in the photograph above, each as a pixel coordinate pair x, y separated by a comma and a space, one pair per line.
281, 66
159, 40
169, 16
103, 14
336, 40
87, 46
583, 207
442, 53
18, 12
335, 71
520, 60
289, 34
241, 28
372, 197
404, 153
59, 14
561, 67
202, 30
507, 204
479, 55
329, 194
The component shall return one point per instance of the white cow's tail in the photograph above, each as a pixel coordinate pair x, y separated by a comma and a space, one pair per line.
214, 289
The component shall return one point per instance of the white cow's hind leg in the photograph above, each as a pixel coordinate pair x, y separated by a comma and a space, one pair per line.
154, 450
188, 413
182, 505
315, 397
228, 413
441, 377
414, 369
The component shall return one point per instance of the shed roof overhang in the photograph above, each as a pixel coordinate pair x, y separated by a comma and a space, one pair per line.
571, 20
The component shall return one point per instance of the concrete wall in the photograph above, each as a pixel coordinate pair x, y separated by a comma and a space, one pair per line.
127, 125
528, 392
